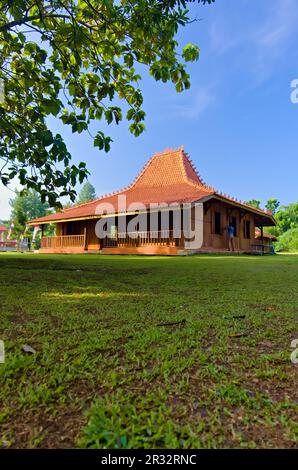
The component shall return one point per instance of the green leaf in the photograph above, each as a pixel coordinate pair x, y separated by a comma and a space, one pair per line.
190, 53
47, 138
22, 38
51, 106
99, 140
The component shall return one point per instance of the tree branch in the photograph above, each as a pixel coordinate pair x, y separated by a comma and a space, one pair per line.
25, 20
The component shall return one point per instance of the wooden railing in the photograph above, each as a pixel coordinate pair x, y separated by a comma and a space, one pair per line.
64, 241
261, 248
157, 237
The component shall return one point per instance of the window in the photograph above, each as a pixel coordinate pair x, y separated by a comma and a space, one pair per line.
247, 229
69, 228
233, 222
217, 223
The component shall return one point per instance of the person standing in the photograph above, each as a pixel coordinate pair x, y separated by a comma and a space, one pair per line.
231, 234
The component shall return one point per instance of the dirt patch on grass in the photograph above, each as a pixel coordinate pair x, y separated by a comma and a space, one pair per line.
43, 429
20, 317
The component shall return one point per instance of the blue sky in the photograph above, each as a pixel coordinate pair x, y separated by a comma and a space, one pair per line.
237, 121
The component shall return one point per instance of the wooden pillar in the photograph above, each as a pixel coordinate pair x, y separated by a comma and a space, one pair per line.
182, 234
85, 238
262, 238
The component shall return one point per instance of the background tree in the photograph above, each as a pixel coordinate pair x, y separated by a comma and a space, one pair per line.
272, 205
87, 193
78, 65
288, 241
286, 219
25, 207
255, 203
286, 229
68, 205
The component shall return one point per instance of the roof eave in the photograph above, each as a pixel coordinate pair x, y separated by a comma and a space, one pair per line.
256, 211
100, 216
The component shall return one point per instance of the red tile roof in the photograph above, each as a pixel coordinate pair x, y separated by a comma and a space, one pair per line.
3, 228
168, 177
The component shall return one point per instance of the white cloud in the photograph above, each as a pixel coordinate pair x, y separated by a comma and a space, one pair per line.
273, 38
259, 43
201, 98
221, 38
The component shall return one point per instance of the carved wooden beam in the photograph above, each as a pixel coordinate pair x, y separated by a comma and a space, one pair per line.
207, 206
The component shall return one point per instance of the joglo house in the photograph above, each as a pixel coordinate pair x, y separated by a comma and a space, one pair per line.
167, 210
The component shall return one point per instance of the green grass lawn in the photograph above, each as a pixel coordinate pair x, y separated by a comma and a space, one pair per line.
105, 373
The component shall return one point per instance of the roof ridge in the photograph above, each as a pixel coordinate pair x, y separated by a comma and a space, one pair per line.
167, 151
204, 186
134, 181
184, 175
201, 183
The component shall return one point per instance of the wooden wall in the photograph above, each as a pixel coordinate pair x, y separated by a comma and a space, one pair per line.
77, 228
220, 241
211, 239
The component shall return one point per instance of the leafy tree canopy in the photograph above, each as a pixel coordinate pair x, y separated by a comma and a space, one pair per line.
87, 193
254, 203
288, 241
25, 207
272, 205
72, 59
286, 228
286, 219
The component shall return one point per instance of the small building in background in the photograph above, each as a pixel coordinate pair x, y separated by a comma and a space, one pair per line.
3, 233
264, 241
6, 244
